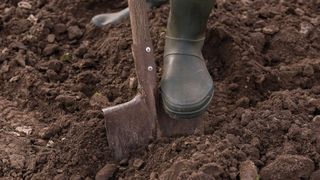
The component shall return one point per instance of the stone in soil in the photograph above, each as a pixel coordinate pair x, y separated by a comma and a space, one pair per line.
55, 65
50, 49
17, 161
315, 175
99, 100
248, 171
270, 30
106, 172
177, 170
74, 32
138, 163
212, 169
200, 176
292, 167
51, 38
60, 28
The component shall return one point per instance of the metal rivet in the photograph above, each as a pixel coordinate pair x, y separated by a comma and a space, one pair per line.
150, 68
148, 49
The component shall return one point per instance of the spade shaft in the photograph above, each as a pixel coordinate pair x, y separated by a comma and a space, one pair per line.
133, 124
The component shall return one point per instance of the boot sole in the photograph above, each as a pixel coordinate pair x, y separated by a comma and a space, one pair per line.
173, 113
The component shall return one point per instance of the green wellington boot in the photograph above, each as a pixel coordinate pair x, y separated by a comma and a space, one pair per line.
186, 85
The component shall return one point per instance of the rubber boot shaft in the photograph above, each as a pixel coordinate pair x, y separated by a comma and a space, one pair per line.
188, 18
156, 3
186, 85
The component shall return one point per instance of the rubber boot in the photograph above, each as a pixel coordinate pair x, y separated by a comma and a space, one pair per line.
186, 85
156, 3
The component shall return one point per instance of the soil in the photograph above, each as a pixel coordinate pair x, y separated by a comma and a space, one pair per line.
57, 71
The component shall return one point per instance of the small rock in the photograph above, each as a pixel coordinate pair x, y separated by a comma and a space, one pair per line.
315, 21
138, 163
31, 164
81, 51
59, 171
200, 176
243, 102
133, 83
60, 177
17, 161
315, 175
123, 44
248, 171
14, 133
106, 172
50, 49
153, 176
27, 130
40, 142
124, 162
270, 30
299, 12
266, 13
125, 74
87, 77
308, 70
75, 177
233, 86
288, 167
258, 40
48, 132
60, 28
14, 79
24, 5
66, 100
19, 45
306, 28
50, 144
66, 57
51, 38
177, 170
5, 68
74, 32
234, 140
32, 19
55, 65
52, 75
86, 63
316, 89
316, 120
99, 100
212, 169
21, 59
41, 3
5, 161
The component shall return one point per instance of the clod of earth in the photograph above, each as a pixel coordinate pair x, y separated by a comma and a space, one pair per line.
288, 167
248, 171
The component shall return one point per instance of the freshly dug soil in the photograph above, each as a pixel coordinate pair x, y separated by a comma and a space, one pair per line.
57, 71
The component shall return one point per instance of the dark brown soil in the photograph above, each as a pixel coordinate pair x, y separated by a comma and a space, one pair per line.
57, 71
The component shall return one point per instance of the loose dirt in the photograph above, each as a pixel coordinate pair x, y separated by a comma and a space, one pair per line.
57, 71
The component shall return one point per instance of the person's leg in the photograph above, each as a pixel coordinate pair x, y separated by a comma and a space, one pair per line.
186, 85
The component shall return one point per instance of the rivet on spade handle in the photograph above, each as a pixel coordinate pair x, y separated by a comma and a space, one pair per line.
148, 49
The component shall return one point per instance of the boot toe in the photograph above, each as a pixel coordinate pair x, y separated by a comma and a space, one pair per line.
186, 86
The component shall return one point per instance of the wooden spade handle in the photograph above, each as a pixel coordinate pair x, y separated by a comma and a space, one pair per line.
143, 49
139, 21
